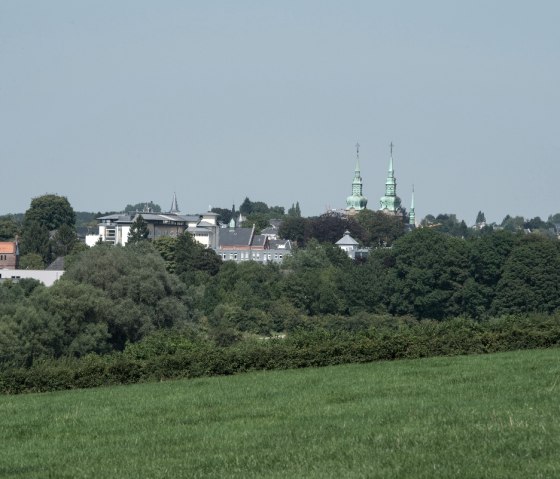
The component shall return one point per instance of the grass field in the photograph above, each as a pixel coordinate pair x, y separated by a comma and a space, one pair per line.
494, 416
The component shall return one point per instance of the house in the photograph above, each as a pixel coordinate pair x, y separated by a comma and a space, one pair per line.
348, 244
114, 229
231, 243
242, 244
9, 255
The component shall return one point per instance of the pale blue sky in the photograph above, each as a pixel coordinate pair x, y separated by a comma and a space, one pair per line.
116, 102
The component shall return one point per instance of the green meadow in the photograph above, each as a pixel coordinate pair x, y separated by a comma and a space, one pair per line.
489, 416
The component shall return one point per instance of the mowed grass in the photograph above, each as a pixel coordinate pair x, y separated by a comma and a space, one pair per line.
494, 416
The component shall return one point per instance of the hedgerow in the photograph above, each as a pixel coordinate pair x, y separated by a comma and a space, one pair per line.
167, 355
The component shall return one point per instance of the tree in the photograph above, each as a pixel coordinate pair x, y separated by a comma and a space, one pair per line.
224, 215
246, 207
487, 257
380, 229
9, 227
166, 246
530, 278
513, 224
138, 231
145, 297
295, 229
46, 214
31, 261
260, 220
64, 240
330, 228
50, 211
430, 269
191, 256
150, 206
35, 240
294, 210
480, 218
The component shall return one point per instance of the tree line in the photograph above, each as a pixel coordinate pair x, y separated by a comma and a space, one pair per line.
112, 296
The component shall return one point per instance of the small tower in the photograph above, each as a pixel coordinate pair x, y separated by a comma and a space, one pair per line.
356, 200
390, 203
174, 206
412, 214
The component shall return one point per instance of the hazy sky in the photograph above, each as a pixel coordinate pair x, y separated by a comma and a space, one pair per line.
115, 102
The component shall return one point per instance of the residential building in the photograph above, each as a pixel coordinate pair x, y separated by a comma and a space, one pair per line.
242, 244
114, 229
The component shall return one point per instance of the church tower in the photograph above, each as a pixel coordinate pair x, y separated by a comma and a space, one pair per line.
412, 214
391, 203
174, 205
356, 201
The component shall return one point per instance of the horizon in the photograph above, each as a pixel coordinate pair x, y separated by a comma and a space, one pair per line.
109, 103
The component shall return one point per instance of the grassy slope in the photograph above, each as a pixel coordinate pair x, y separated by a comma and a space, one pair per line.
494, 416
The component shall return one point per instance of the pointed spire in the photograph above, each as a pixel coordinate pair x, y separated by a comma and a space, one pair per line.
390, 203
391, 170
412, 214
356, 200
357, 169
174, 204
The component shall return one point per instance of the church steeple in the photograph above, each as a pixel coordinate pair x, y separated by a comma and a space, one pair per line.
412, 214
356, 200
174, 205
390, 203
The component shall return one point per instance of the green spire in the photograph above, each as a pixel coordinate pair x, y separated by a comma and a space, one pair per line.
390, 202
356, 200
412, 214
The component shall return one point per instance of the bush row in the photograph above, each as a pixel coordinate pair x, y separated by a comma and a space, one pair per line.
167, 356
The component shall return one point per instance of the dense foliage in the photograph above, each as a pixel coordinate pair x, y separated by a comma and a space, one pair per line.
335, 341
171, 308
113, 296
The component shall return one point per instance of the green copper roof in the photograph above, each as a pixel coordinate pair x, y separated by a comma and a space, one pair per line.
412, 214
390, 202
356, 200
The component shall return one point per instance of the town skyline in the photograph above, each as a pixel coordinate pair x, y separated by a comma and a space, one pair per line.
109, 104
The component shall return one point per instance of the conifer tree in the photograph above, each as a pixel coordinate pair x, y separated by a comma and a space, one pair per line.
138, 231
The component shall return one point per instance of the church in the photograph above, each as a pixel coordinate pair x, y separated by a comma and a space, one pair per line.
390, 203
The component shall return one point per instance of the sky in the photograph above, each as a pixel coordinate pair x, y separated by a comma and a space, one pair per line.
112, 103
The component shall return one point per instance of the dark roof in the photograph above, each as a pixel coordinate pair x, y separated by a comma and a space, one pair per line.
270, 230
235, 237
259, 240
56, 265
280, 244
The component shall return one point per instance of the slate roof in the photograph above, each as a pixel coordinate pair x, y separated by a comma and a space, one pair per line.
259, 240
235, 237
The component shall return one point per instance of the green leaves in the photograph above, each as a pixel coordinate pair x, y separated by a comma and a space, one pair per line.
138, 231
